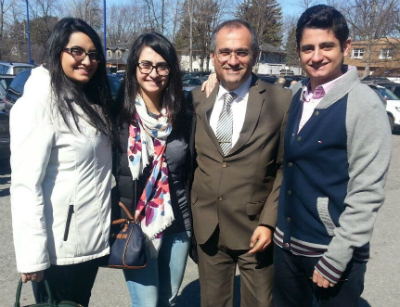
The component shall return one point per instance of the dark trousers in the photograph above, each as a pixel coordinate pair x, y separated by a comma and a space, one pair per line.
68, 282
217, 268
293, 286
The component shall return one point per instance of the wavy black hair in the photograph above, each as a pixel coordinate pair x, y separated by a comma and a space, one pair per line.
95, 92
323, 17
172, 96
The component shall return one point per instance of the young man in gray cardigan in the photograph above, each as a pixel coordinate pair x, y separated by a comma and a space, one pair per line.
336, 156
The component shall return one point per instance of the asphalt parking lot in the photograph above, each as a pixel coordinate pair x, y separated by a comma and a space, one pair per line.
382, 287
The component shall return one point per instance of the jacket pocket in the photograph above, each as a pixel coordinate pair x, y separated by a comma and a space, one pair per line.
68, 223
254, 208
323, 212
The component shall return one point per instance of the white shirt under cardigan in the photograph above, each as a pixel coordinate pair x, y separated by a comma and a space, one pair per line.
238, 108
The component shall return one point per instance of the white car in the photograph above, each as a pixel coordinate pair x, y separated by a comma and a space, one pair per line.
392, 105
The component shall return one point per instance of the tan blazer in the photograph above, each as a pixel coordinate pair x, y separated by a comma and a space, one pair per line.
240, 191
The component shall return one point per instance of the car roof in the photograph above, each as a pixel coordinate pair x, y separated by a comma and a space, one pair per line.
16, 64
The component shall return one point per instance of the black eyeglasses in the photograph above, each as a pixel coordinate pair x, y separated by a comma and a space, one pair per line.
146, 68
79, 54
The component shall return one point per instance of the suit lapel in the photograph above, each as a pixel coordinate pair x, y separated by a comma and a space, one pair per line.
206, 114
253, 110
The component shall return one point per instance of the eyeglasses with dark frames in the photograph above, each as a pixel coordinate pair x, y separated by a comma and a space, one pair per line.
79, 54
146, 68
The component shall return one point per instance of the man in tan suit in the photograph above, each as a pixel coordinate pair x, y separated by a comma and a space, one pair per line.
235, 190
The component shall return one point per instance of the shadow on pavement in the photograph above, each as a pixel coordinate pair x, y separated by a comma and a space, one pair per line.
364, 303
5, 176
190, 295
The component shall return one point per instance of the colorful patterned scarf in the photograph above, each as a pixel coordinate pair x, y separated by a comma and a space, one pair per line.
148, 139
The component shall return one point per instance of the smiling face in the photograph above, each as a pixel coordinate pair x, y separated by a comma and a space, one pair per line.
151, 84
234, 71
321, 55
79, 71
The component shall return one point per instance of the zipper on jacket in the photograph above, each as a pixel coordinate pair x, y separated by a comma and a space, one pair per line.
70, 212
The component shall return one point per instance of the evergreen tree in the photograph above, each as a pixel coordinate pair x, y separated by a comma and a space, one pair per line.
291, 53
265, 17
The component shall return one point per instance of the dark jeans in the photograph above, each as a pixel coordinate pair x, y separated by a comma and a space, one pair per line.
69, 282
293, 286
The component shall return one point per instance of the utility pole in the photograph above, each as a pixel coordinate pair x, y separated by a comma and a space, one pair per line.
191, 9
105, 29
29, 32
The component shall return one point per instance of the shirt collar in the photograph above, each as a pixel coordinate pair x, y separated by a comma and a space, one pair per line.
323, 89
241, 91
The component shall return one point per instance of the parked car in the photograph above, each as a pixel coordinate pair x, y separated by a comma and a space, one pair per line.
394, 87
191, 83
5, 81
392, 105
268, 78
14, 68
375, 79
16, 89
196, 74
4, 136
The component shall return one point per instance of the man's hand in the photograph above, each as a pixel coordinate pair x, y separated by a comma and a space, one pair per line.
260, 239
321, 281
35, 276
209, 85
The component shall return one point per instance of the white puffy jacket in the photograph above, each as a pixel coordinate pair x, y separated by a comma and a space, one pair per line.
60, 183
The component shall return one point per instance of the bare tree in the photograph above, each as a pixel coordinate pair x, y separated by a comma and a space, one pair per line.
5, 6
370, 20
199, 18
89, 10
125, 23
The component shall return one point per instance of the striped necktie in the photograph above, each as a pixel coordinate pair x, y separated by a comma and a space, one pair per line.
225, 123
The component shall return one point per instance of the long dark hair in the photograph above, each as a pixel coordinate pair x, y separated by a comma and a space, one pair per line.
95, 92
172, 94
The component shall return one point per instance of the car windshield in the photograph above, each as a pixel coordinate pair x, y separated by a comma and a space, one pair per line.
388, 94
5, 82
19, 82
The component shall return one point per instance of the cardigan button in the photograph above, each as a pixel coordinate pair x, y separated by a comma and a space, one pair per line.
220, 198
287, 244
316, 113
288, 219
290, 164
224, 164
289, 192
299, 139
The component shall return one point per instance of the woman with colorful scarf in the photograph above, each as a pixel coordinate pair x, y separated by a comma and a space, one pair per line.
153, 168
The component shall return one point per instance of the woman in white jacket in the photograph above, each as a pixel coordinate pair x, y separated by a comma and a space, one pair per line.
61, 136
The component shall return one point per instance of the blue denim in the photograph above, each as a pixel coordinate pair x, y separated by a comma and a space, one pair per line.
157, 284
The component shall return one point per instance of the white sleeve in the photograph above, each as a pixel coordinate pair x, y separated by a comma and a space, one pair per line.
32, 135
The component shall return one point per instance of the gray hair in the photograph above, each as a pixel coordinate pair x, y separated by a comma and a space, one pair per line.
235, 23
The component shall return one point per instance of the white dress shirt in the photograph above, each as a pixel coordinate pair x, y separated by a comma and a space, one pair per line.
238, 108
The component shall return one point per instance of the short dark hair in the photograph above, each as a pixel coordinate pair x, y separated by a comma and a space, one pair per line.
323, 17
235, 23
95, 91
172, 94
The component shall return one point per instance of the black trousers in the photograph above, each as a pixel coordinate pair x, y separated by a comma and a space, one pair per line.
69, 282
293, 286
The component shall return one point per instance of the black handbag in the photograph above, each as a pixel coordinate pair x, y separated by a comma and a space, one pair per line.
127, 244
50, 302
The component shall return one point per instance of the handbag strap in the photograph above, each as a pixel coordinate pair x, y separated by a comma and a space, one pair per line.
18, 294
126, 211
